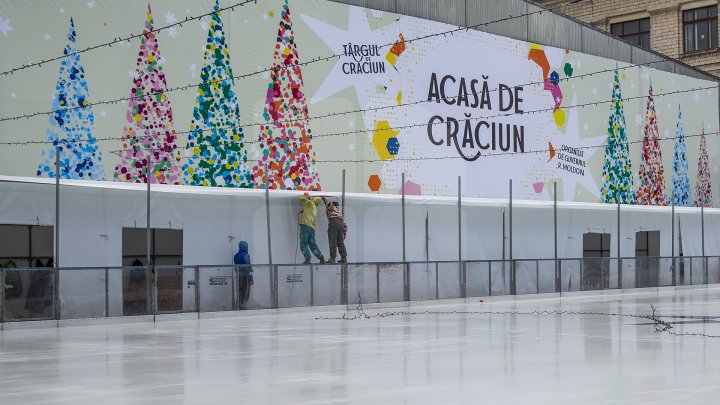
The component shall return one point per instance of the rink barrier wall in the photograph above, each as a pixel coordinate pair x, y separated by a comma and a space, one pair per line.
141, 294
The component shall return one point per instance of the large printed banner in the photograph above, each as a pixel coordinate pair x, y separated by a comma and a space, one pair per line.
253, 97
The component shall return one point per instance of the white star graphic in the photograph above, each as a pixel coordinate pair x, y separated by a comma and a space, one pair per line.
204, 24
351, 124
161, 61
172, 32
91, 5
170, 17
103, 113
696, 96
133, 74
586, 126
638, 119
351, 147
62, 10
594, 91
13, 94
46, 36
5, 26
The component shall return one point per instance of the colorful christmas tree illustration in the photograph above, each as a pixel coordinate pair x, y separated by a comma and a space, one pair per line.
703, 188
150, 119
286, 142
681, 181
617, 185
72, 122
651, 187
216, 148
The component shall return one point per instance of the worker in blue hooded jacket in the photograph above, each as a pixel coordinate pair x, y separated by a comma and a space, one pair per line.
242, 260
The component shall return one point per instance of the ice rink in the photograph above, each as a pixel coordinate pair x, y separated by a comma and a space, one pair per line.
436, 358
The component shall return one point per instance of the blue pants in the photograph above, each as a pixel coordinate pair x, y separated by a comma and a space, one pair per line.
307, 242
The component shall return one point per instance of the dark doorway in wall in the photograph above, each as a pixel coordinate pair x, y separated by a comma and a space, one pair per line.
596, 263
647, 251
166, 250
28, 294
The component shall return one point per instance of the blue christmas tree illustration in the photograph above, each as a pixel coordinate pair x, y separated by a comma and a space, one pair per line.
71, 123
681, 181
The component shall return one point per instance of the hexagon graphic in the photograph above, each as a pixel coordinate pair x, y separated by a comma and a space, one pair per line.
374, 183
393, 146
381, 135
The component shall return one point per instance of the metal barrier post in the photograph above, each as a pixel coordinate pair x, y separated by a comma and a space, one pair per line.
619, 256
513, 280
402, 188
702, 242
312, 286
2, 295
557, 273
107, 294
56, 293
276, 298
691, 266
490, 279
582, 276
463, 280
406, 281
197, 289
344, 284
537, 277
437, 282
377, 283
672, 242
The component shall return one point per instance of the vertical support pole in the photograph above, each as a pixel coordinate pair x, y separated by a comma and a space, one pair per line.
461, 267
312, 286
402, 187
197, 289
342, 198
619, 256
702, 242
56, 274
148, 236
555, 238
107, 293
513, 281
267, 215
2, 296
377, 283
672, 242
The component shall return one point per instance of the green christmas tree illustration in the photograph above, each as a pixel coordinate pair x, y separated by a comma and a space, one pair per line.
617, 179
216, 149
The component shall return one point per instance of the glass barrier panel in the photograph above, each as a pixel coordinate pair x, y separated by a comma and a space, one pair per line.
570, 270
170, 291
295, 285
713, 270
477, 278
665, 272
546, 274
500, 277
697, 271
362, 283
449, 280
327, 285
135, 289
647, 272
683, 271
629, 279
611, 277
216, 288
593, 273
82, 293
256, 293
390, 281
526, 275
423, 281
28, 295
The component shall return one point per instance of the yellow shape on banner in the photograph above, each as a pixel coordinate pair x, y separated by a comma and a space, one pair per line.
399, 97
559, 115
383, 132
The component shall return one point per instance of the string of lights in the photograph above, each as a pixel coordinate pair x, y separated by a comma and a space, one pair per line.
409, 126
330, 57
119, 40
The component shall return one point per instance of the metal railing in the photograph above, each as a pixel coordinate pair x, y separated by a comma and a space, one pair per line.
29, 294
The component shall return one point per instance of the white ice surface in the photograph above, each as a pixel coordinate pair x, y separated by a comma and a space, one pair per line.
419, 359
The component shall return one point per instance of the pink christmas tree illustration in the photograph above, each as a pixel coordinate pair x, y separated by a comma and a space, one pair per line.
651, 188
286, 141
150, 120
703, 188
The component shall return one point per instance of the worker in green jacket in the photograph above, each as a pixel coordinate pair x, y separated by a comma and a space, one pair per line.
307, 228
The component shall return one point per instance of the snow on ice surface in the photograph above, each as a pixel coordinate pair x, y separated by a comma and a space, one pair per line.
412, 359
